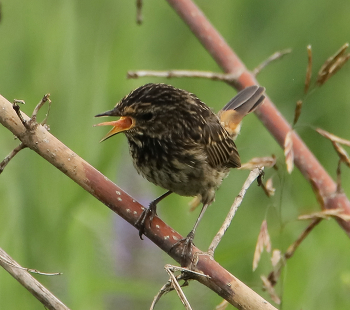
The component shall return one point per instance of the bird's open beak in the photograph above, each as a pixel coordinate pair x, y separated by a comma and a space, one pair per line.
122, 124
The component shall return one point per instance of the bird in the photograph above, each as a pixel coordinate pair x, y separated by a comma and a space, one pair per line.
178, 143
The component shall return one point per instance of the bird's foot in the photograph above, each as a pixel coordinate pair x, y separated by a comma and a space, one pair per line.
147, 213
185, 247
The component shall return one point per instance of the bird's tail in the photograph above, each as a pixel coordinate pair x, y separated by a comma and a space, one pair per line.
246, 101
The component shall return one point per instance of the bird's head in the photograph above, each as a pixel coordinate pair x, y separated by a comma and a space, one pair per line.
154, 110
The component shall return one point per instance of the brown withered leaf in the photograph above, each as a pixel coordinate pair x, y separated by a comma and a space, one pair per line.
308, 69
332, 65
288, 151
268, 187
343, 155
262, 242
222, 305
195, 202
276, 257
297, 111
326, 214
332, 137
269, 288
259, 162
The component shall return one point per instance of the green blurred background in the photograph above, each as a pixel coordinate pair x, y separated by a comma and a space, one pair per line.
80, 52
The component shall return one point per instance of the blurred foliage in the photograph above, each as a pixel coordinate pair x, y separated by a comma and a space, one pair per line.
80, 51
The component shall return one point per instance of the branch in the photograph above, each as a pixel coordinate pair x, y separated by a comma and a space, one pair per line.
228, 78
30, 283
323, 185
13, 153
238, 200
50, 148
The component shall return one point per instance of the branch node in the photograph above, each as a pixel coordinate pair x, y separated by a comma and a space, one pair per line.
17, 110
173, 284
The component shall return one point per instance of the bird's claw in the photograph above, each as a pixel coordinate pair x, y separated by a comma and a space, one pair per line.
185, 247
141, 222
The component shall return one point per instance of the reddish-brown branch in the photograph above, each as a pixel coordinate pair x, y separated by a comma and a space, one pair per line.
307, 163
59, 155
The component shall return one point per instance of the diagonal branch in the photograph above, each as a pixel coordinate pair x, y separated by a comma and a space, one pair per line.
321, 182
30, 283
54, 151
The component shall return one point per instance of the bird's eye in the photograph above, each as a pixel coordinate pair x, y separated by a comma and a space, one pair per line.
147, 116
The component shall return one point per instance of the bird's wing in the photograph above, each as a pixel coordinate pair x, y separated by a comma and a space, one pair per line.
219, 146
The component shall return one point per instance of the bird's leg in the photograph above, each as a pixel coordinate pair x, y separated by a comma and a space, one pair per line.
149, 213
187, 242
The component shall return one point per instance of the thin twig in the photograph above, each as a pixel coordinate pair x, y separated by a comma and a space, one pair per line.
17, 110
173, 283
177, 287
292, 248
32, 123
39, 106
229, 78
325, 215
166, 288
308, 69
275, 274
7, 159
5, 260
252, 176
275, 56
31, 284
332, 137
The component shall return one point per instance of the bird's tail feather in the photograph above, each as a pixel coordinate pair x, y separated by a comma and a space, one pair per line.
246, 101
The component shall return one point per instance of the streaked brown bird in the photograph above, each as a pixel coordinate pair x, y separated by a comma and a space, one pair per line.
178, 143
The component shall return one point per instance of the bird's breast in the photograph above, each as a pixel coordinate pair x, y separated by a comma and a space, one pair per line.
178, 166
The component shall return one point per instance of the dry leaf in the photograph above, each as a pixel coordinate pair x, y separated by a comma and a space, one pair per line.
276, 257
269, 288
195, 202
332, 137
343, 155
326, 214
268, 187
259, 162
308, 70
222, 305
297, 111
262, 242
288, 151
332, 65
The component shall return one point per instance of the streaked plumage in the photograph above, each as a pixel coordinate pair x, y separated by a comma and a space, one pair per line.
177, 142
